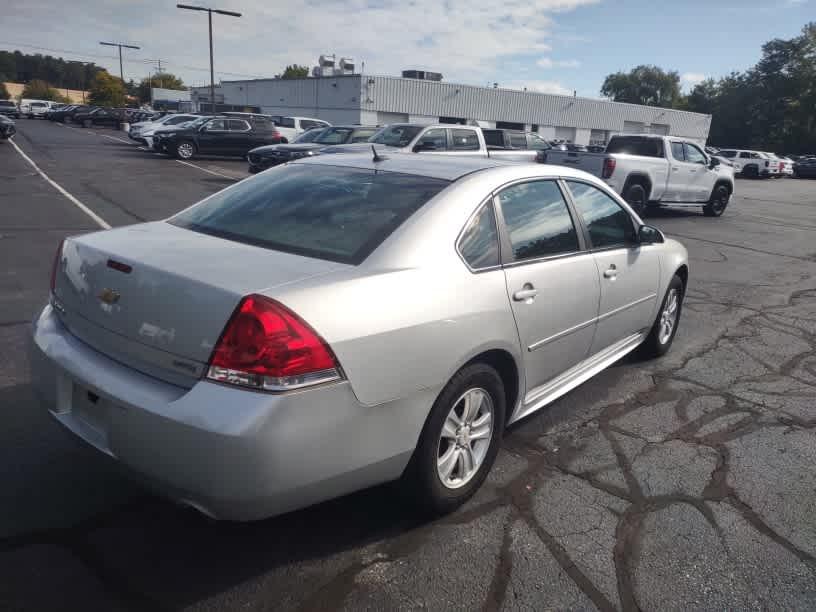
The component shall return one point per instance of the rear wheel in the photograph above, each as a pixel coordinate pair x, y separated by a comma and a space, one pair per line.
719, 201
750, 172
184, 150
663, 330
635, 196
459, 442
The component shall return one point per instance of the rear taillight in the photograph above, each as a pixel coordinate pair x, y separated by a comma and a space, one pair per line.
608, 167
268, 347
767, 163
55, 266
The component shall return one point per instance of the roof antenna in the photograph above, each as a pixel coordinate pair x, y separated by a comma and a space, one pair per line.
377, 157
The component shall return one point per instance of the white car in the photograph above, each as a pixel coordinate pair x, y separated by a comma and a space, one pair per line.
291, 127
777, 164
751, 164
787, 165
147, 132
37, 108
138, 129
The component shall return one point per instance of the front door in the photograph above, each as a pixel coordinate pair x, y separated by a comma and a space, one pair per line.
240, 137
702, 179
552, 283
628, 273
680, 175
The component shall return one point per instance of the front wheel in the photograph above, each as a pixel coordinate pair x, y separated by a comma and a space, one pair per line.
718, 202
664, 328
184, 150
459, 442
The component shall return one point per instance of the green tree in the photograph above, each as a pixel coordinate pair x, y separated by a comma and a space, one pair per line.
293, 71
4, 94
107, 90
38, 89
164, 80
647, 85
22, 68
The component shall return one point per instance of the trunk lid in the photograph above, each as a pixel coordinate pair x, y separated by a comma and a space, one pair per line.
156, 297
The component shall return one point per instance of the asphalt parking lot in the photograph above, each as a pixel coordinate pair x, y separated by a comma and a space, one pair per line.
684, 483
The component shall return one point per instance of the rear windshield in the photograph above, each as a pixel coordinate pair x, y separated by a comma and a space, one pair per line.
635, 145
328, 212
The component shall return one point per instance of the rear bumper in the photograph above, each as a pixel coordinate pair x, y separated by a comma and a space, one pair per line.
232, 454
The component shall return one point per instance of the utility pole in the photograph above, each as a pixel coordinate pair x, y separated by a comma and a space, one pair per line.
210, 12
120, 45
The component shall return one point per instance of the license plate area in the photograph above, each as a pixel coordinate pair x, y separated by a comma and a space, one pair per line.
92, 410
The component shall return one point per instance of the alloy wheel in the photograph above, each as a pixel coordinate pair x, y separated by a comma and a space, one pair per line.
668, 316
465, 438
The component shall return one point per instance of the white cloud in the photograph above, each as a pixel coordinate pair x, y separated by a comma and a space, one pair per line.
466, 40
551, 87
690, 79
546, 62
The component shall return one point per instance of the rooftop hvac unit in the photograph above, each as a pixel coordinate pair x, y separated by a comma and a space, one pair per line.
346, 65
424, 75
326, 61
321, 71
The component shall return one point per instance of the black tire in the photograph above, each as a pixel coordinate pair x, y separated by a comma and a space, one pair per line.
421, 481
635, 196
718, 201
87, 123
656, 345
184, 150
750, 172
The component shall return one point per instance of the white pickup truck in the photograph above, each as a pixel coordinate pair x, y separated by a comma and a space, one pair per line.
651, 170
441, 139
292, 127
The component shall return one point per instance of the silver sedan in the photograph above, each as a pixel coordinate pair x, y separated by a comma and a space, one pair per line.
345, 321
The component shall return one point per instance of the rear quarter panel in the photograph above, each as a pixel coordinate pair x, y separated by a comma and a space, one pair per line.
626, 166
588, 162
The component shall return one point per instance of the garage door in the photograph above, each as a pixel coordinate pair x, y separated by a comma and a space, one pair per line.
633, 127
659, 128
386, 118
565, 133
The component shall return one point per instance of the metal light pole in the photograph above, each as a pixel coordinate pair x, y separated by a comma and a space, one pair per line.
120, 45
210, 11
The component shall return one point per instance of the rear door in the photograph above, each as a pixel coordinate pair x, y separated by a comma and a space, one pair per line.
628, 273
552, 281
241, 137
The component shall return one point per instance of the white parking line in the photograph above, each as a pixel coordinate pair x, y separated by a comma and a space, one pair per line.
97, 219
232, 178
90, 133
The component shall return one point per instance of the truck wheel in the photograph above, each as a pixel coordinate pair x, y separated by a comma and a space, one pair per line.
635, 196
719, 201
750, 172
184, 150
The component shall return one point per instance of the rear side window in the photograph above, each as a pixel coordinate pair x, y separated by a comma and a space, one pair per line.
728, 154
609, 225
238, 125
537, 220
434, 140
328, 212
287, 122
493, 138
464, 140
677, 151
636, 145
518, 141
479, 244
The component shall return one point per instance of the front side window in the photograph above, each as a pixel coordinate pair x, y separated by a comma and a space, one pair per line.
694, 155
608, 224
677, 151
537, 220
327, 212
396, 135
479, 244
537, 143
434, 140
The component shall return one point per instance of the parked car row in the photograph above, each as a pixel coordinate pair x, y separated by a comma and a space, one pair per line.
757, 164
7, 127
9, 109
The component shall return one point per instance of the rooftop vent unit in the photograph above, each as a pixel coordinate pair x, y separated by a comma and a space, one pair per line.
423, 75
346, 65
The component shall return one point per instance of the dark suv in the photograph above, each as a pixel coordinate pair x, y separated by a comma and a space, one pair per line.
99, 116
215, 136
9, 109
266, 157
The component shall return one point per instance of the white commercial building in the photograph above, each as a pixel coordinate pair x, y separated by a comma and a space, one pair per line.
379, 100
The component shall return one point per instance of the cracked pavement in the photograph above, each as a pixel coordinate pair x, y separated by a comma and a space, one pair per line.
680, 483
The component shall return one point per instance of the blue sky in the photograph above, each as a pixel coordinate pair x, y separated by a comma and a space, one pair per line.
544, 45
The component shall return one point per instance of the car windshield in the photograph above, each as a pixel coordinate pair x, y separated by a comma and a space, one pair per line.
396, 135
309, 136
328, 212
334, 135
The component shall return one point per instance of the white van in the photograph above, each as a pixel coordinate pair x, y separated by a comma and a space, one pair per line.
25, 105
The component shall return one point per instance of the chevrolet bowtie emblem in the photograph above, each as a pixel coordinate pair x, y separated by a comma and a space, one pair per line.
109, 296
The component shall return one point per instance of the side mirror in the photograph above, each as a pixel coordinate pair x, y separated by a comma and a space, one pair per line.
650, 235
424, 146
713, 162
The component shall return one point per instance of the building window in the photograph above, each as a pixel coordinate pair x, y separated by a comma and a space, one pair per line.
507, 125
453, 120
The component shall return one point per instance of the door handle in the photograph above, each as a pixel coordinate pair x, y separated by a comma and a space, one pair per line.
611, 272
527, 294
675, 168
